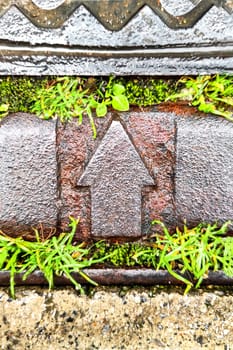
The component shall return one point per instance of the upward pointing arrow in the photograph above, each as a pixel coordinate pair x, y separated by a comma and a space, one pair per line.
116, 175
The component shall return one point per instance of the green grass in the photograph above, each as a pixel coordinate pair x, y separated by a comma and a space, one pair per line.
210, 94
75, 97
54, 256
196, 251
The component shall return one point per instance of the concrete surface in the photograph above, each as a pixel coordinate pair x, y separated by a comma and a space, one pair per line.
116, 318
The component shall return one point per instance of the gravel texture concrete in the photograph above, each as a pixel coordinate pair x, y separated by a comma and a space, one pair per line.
117, 318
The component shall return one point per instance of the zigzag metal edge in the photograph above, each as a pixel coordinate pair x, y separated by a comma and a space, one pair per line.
112, 14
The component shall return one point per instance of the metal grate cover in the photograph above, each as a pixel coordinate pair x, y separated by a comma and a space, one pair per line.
102, 37
113, 14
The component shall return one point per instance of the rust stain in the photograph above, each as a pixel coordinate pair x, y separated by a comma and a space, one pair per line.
181, 108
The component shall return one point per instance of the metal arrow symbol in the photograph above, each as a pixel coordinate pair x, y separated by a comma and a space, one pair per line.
116, 175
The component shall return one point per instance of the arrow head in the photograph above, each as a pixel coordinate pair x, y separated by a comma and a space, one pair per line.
116, 160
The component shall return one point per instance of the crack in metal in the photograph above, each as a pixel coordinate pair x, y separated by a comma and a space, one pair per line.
112, 14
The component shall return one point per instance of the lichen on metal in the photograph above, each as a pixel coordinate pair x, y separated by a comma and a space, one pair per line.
113, 14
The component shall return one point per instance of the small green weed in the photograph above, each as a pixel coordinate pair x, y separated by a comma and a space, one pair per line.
210, 94
69, 98
75, 97
225, 258
196, 251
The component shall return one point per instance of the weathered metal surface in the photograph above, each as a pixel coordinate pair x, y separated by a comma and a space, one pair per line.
203, 174
119, 37
75, 148
116, 175
141, 32
113, 14
189, 173
108, 276
94, 66
152, 134
28, 174
189, 161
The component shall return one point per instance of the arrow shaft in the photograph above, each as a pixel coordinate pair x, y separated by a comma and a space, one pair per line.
115, 214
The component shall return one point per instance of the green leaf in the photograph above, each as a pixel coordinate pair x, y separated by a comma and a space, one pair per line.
118, 89
4, 109
120, 103
101, 109
228, 100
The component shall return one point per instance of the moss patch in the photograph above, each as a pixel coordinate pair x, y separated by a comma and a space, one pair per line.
76, 97
18, 94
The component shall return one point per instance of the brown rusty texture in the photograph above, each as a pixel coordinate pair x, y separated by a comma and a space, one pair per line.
152, 135
113, 14
75, 147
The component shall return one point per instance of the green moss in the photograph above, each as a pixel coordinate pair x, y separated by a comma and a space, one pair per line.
127, 254
147, 91
18, 94
74, 97
210, 94
77, 97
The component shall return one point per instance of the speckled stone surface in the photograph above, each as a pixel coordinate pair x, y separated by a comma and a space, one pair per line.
116, 318
28, 173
